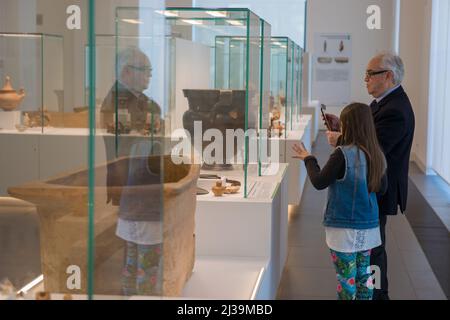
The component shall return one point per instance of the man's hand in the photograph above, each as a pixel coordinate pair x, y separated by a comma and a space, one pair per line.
332, 137
301, 152
333, 122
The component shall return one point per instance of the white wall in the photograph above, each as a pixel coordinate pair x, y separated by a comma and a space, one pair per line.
349, 16
415, 34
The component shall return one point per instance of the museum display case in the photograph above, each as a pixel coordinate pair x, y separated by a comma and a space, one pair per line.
214, 73
229, 54
26, 58
108, 211
285, 84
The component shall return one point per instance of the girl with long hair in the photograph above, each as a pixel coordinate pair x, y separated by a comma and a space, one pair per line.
354, 174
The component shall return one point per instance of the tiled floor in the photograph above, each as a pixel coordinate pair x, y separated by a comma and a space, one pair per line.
309, 273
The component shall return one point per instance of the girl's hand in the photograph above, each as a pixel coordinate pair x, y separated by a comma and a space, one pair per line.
333, 137
300, 152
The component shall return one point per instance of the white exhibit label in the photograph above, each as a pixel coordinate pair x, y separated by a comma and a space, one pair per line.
331, 78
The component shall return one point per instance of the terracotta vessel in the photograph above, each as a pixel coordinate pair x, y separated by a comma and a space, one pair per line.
9, 98
218, 189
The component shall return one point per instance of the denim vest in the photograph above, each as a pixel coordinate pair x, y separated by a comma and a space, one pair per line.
349, 204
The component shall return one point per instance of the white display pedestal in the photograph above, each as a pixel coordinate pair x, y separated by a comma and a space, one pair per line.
9, 119
254, 228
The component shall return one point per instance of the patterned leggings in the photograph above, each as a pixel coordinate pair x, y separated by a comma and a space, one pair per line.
353, 275
142, 273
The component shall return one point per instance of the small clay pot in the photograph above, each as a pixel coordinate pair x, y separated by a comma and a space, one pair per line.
9, 98
43, 295
218, 189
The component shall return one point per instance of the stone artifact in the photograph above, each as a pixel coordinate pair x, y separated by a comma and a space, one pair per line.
216, 109
9, 98
62, 205
218, 189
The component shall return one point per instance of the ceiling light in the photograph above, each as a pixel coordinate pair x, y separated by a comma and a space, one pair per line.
235, 22
168, 13
194, 22
132, 21
217, 14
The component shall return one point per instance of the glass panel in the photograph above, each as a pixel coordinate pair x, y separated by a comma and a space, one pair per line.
279, 87
136, 181
214, 69
44, 177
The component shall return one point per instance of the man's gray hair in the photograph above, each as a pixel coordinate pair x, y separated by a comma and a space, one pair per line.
393, 62
128, 56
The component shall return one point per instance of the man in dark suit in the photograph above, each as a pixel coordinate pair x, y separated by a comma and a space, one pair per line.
394, 122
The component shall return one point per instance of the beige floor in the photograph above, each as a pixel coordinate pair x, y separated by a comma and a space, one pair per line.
309, 273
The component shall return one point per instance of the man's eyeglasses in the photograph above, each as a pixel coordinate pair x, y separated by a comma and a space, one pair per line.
143, 68
371, 73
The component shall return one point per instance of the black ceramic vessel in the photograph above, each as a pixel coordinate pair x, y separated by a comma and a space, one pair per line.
216, 109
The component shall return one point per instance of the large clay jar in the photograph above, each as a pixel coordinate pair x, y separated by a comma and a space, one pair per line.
216, 109
9, 98
62, 205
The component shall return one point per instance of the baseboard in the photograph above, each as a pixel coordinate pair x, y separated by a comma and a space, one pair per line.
425, 170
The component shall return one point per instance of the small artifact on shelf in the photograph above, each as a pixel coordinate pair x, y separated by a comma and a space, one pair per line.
218, 189
7, 290
10, 99
324, 60
21, 127
43, 295
276, 127
215, 176
40, 118
201, 191
230, 189
121, 128
341, 59
67, 296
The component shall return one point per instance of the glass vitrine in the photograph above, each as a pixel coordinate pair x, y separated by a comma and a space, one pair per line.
46, 226
71, 198
229, 55
25, 60
280, 84
215, 90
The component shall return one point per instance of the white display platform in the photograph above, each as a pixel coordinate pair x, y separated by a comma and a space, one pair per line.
234, 226
222, 278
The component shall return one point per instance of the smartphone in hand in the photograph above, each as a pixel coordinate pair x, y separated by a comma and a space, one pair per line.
327, 124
